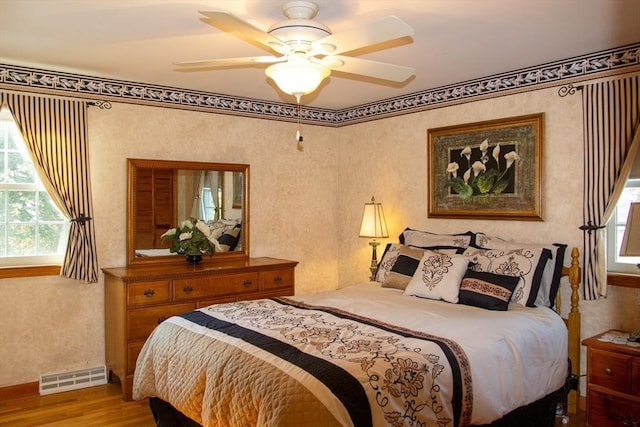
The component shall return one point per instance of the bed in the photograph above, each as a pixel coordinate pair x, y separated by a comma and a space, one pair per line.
480, 344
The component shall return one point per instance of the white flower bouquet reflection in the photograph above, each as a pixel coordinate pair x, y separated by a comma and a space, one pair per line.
190, 239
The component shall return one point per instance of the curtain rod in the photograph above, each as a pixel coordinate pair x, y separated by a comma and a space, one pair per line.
103, 105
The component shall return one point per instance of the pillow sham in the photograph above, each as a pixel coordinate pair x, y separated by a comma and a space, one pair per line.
528, 264
550, 282
487, 290
426, 239
403, 268
438, 276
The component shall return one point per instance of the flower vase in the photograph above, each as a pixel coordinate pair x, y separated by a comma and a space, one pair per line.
193, 259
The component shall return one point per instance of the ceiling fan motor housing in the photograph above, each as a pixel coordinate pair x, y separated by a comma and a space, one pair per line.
300, 29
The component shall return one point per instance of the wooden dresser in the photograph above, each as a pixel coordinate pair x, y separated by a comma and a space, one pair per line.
613, 383
137, 298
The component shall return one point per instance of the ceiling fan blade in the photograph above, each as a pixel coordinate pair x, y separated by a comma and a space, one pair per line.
251, 60
365, 67
382, 30
242, 29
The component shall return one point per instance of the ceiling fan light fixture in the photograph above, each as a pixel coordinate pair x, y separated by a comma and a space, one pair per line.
297, 78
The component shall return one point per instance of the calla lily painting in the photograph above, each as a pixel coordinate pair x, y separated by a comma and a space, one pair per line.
487, 170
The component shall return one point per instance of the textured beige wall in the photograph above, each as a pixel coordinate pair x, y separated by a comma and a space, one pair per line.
305, 206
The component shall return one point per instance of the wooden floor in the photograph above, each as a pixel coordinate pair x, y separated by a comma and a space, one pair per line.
95, 406
100, 406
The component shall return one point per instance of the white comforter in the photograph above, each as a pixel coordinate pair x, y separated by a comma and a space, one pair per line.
516, 356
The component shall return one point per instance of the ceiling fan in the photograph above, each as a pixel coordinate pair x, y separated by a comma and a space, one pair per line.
305, 50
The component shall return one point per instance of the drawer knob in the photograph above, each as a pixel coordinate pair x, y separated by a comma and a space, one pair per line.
608, 371
149, 293
247, 282
187, 289
277, 279
161, 319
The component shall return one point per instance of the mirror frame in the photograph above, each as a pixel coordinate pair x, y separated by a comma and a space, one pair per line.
132, 167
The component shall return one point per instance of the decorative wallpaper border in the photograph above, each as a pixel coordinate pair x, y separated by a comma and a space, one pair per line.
611, 61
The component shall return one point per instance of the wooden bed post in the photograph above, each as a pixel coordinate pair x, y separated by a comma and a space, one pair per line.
573, 325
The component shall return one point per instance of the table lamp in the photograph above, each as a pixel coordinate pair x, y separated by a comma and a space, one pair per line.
373, 226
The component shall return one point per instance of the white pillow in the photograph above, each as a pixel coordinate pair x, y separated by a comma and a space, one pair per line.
426, 239
438, 276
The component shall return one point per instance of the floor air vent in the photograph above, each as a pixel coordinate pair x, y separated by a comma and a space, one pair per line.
56, 383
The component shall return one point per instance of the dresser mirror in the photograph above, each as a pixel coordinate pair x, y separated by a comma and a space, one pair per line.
161, 194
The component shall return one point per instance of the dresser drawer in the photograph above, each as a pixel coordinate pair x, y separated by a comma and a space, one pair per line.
145, 293
611, 411
274, 279
142, 321
635, 376
214, 286
133, 350
608, 369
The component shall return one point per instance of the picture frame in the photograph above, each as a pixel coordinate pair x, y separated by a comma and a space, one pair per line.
487, 170
237, 191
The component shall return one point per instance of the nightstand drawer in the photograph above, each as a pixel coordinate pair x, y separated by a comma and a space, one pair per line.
611, 411
144, 293
275, 279
608, 369
214, 286
142, 321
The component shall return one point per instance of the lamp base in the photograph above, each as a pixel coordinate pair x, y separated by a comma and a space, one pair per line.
374, 260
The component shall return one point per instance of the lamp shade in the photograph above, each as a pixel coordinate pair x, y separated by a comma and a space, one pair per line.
373, 222
297, 77
631, 239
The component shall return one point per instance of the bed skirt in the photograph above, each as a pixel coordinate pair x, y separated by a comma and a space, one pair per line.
540, 413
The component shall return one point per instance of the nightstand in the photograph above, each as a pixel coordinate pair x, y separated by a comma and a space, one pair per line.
613, 381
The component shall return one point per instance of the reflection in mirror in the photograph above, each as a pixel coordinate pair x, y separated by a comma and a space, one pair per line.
162, 194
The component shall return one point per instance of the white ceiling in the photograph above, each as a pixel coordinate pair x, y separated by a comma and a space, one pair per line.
454, 41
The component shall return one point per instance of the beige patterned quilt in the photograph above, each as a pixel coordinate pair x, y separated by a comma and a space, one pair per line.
280, 362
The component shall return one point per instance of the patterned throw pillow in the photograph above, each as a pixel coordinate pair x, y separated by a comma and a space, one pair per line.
229, 239
487, 290
527, 264
403, 268
438, 276
387, 261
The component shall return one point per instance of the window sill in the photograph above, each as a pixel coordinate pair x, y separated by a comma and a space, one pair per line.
29, 271
625, 280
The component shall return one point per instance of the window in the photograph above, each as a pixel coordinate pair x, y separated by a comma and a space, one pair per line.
33, 231
615, 231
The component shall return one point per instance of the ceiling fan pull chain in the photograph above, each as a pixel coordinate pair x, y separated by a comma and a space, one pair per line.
299, 138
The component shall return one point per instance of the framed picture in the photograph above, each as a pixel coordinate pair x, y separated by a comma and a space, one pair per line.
487, 170
237, 190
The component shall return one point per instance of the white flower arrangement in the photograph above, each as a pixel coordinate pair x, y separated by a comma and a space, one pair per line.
479, 179
190, 239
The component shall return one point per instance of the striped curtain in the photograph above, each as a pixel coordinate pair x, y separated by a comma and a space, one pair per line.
611, 120
55, 133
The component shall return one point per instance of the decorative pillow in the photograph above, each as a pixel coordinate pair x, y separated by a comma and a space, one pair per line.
550, 282
229, 239
425, 239
219, 226
528, 264
438, 276
402, 270
386, 262
487, 290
